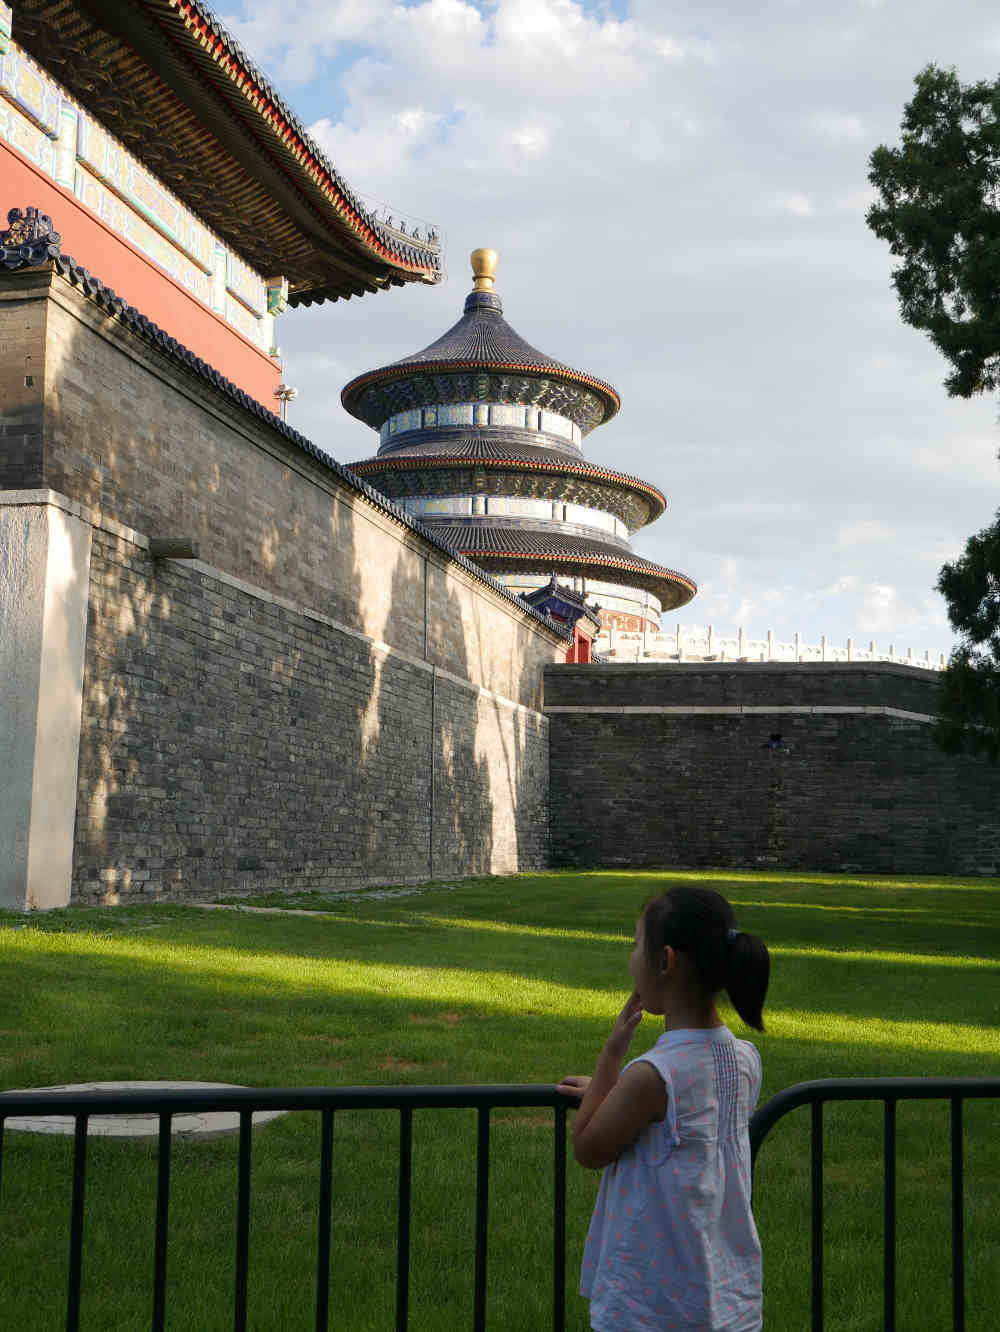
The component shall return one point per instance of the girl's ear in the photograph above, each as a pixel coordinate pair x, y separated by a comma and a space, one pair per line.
668, 961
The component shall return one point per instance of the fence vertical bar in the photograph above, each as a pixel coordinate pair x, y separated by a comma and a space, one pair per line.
482, 1214
323, 1240
817, 1216
957, 1218
889, 1208
76, 1225
162, 1206
243, 1223
403, 1232
559, 1222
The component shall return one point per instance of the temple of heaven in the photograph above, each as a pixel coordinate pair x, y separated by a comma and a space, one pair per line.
481, 439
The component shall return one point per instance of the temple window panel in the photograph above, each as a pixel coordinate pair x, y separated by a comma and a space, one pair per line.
506, 414
33, 143
34, 94
455, 413
518, 506
578, 513
437, 506
497, 414
557, 425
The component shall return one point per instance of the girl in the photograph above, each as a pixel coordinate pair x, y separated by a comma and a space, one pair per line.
672, 1243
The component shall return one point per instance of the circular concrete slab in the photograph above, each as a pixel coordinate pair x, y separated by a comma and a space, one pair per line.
205, 1124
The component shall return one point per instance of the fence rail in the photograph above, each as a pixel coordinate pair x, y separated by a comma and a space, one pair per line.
326, 1101
889, 1091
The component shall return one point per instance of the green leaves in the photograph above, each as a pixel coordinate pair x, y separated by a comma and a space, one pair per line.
939, 211
969, 701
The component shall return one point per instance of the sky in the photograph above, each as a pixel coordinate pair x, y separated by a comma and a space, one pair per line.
677, 196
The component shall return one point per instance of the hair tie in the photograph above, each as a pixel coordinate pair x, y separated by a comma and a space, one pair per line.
733, 934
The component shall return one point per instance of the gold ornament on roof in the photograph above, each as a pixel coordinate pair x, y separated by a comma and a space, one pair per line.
484, 264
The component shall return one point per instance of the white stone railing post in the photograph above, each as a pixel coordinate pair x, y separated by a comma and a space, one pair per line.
711, 645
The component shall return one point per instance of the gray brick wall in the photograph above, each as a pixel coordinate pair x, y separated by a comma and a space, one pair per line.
326, 699
232, 744
847, 791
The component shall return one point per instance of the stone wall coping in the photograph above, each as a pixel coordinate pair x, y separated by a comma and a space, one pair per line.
743, 709
737, 669
98, 520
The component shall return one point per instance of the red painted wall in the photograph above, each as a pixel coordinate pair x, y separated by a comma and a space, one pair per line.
137, 279
579, 653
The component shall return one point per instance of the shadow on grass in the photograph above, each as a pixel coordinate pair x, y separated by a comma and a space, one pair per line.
437, 1005
378, 995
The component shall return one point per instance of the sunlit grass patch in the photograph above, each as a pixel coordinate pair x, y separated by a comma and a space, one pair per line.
494, 980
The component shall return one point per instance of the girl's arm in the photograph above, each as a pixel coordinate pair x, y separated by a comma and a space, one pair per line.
615, 1109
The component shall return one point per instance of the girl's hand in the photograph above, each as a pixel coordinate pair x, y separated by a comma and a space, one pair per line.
574, 1085
624, 1029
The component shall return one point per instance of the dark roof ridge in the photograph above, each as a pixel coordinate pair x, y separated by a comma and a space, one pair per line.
31, 243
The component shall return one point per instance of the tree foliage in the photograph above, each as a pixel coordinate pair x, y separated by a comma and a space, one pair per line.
969, 704
939, 210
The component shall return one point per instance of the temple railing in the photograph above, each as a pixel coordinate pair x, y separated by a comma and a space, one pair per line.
707, 645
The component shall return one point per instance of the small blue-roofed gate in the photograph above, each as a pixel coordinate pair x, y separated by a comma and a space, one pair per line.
326, 1101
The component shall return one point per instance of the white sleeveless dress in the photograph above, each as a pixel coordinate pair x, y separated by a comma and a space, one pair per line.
672, 1244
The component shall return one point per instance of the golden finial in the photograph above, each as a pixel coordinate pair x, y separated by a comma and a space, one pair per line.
484, 263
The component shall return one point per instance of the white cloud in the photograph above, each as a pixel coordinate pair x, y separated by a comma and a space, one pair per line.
799, 205
866, 532
838, 127
646, 176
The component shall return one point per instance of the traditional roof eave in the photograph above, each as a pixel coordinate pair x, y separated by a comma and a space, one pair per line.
668, 582
242, 160
654, 497
351, 394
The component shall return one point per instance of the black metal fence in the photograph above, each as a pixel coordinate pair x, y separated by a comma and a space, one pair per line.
889, 1091
326, 1101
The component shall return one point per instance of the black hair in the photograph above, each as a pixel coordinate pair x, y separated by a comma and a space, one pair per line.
699, 923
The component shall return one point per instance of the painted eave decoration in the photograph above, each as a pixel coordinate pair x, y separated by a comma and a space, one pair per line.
510, 462
166, 79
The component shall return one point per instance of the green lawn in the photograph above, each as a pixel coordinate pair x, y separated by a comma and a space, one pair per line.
495, 980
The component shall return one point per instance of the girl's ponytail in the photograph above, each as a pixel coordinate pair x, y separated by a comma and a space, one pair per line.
700, 923
748, 969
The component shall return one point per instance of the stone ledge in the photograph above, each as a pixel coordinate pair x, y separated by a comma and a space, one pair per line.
745, 709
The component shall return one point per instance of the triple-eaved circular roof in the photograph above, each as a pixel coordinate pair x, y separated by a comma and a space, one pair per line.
482, 360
